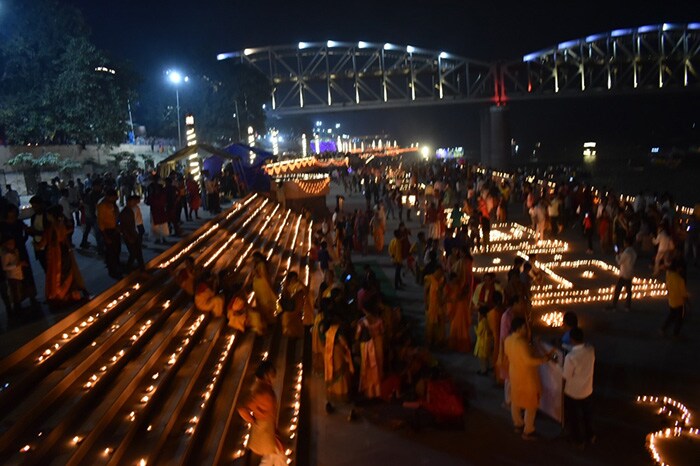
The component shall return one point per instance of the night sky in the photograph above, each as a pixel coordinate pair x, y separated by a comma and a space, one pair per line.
157, 34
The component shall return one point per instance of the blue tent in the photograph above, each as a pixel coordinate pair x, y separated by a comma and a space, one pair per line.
255, 176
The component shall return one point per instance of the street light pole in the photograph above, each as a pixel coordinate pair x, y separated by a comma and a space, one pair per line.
238, 120
179, 123
176, 78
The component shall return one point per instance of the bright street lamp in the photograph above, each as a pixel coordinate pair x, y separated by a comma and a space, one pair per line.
176, 78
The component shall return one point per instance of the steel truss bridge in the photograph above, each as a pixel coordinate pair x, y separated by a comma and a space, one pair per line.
328, 76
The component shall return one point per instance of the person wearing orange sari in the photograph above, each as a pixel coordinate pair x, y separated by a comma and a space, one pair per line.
64, 282
378, 227
435, 308
370, 334
260, 410
458, 293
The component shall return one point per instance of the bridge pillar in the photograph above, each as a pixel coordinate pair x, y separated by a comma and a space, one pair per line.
495, 138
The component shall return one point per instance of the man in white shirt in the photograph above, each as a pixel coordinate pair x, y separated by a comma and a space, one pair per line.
625, 260
578, 389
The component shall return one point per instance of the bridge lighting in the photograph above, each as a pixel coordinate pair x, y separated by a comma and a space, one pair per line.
645, 29
303, 45
693, 26
389, 46
247, 52
621, 32
332, 43
363, 45
595, 37
444, 55
567, 44
425, 152
410, 49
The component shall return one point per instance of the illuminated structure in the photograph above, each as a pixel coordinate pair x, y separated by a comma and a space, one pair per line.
311, 77
335, 76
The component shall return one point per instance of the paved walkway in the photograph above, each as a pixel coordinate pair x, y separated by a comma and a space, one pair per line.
631, 360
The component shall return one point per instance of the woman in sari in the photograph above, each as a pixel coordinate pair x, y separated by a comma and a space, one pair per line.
12, 227
338, 366
260, 410
435, 308
460, 316
370, 334
378, 227
294, 295
64, 283
265, 298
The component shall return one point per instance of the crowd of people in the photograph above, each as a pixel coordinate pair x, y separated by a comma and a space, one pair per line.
108, 209
455, 206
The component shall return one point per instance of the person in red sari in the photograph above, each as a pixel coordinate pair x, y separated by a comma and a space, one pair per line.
64, 283
194, 199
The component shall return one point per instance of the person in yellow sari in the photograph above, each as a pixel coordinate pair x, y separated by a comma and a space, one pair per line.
293, 297
378, 226
435, 308
338, 366
265, 297
370, 334
64, 282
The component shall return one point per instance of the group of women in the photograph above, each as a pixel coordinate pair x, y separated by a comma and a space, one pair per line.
226, 293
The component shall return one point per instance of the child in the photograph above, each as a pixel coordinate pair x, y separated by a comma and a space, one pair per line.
482, 349
12, 266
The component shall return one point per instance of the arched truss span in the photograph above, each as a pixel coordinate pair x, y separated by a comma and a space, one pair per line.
663, 56
335, 76
328, 76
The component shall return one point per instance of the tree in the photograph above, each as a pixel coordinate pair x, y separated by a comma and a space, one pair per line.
31, 166
214, 97
50, 89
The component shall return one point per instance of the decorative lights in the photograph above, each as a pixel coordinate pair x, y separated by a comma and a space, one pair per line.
90, 320
681, 417
553, 319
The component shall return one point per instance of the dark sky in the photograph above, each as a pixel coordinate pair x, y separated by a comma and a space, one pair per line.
157, 34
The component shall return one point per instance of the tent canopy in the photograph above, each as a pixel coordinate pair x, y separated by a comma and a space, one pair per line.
243, 151
185, 152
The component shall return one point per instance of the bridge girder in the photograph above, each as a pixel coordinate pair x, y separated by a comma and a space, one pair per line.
335, 76
311, 77
647, 58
